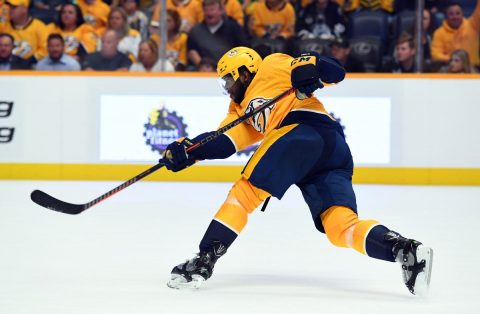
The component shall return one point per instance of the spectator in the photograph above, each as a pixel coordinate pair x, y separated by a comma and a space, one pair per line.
108, 58
373, 5
459, 63
340, 49
234, 10
404, 56
215, 35
50, 5
207, 65
321, 18
79, 37
95, 13
47, 11
176, 42
8, 61
30, 34
427, 35
456, 33
190, 11
272, 19
136, 19
57, 60
129, 38
148, 58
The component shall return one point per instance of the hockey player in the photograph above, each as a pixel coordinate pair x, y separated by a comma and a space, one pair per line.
301, 144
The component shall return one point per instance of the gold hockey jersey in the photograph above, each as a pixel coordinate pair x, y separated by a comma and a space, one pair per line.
83, 35
30, 40
272, 78
95, 14
281, 21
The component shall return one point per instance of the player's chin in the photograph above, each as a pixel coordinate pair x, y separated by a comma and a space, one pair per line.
233, 97
238, 100
238, 96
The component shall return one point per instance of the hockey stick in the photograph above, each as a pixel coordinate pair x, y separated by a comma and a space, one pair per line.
50, 202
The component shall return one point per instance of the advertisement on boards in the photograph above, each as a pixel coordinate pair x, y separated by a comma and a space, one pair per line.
137, 128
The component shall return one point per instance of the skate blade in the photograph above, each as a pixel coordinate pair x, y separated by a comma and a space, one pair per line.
180, 283
422, 283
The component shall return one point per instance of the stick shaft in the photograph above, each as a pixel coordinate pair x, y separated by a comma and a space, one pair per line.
45, 200
124, 185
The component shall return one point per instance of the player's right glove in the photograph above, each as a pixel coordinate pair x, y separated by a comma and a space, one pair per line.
310, 71
176, 157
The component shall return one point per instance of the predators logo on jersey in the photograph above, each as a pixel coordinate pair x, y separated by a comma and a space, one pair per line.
22, 49
90, 20
259, 121
71, 44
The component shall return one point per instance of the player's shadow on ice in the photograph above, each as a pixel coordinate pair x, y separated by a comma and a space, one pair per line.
302, 286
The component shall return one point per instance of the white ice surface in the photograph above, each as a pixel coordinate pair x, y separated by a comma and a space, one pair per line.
116, 257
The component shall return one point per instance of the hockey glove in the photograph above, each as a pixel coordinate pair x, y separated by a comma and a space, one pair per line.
310, 71
305, 76
176, 157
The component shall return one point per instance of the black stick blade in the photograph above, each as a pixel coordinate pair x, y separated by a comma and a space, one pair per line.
50, 202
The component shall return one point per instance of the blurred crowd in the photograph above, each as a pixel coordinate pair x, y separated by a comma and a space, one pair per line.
124, 35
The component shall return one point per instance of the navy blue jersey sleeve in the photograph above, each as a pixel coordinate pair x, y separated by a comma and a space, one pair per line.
219, 148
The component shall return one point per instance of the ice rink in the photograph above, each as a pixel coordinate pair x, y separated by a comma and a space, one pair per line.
116, 257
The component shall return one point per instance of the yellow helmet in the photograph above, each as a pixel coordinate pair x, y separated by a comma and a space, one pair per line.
237, 57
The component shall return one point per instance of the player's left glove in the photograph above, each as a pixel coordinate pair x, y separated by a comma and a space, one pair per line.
176, 157
305, 76
310, 71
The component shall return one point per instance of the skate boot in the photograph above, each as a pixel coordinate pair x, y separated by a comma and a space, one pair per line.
415, 260
193, 273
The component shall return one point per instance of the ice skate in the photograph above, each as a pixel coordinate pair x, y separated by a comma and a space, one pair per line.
194, 272
415, 260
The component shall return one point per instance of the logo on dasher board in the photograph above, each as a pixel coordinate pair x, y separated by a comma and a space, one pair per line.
6, 133
248, 151
163, 127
